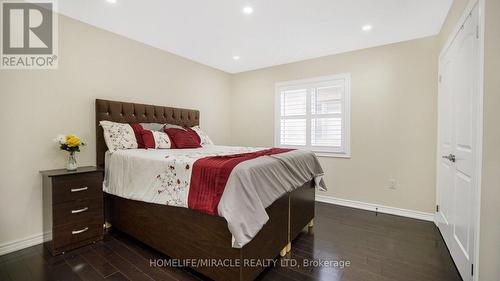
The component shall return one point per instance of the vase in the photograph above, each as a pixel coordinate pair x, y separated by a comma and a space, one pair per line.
72, 165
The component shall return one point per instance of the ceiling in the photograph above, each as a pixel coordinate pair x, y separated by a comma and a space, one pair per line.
212, 32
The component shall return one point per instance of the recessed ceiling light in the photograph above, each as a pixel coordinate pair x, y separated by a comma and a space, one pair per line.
247, 10
111, 1
366, 27
236, 57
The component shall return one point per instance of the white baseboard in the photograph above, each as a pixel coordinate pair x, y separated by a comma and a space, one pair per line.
376, 208
20, 244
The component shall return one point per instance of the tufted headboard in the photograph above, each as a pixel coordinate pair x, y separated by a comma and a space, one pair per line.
126, 112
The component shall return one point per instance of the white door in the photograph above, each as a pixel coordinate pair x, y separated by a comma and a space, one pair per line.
445, 139
457, 148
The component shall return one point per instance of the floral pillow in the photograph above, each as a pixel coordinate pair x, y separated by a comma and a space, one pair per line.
203, 136
118, 136
155, 139
161, 140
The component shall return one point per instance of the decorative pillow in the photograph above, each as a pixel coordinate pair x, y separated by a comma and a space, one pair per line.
152, 126
137, 132
155, 139
118, 136
194, 135
204, 139
183, 138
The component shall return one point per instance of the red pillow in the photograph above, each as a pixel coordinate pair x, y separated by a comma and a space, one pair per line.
194, 135
137, 132
148, 139
183, 138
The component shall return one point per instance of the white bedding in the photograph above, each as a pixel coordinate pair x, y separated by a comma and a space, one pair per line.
158, 175
163, 176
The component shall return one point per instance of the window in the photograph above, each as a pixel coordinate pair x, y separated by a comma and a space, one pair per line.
314, 114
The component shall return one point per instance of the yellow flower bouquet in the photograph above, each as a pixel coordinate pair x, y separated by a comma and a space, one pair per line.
72, 144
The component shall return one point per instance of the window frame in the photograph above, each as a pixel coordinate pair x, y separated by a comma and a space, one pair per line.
310, 83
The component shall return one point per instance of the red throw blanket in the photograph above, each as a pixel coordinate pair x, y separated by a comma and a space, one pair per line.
210, 175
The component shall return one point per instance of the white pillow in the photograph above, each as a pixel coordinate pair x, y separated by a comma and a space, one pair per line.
161, 139
152, 126
204, 137
172, 126
118, 136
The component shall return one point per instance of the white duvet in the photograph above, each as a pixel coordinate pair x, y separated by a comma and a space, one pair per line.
163, 176
159, 176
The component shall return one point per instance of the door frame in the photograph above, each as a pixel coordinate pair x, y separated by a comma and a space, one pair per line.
479, 131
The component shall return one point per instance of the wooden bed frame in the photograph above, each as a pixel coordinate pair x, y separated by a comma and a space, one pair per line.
185, 234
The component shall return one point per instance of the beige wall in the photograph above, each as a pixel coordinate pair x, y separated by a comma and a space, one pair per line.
393, 130
489, 258
35, 106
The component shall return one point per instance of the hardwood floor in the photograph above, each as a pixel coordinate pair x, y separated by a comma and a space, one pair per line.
378, 247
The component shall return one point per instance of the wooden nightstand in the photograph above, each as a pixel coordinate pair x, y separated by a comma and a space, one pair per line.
73, 213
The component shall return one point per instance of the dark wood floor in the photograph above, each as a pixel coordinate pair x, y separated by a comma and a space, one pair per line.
379, 247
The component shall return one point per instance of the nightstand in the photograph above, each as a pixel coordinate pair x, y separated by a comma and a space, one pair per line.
73, 213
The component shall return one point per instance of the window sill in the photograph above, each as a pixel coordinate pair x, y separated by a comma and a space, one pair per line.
321, 154
332, 155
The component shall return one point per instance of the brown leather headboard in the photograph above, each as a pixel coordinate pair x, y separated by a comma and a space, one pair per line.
126, 112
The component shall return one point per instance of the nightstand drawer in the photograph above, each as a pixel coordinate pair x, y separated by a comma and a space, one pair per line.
77, 187
77, 211
76, 233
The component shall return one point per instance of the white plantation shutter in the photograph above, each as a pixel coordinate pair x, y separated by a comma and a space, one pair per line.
293, 121
314, 114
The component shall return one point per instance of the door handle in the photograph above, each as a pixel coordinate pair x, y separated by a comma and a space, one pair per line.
450, 157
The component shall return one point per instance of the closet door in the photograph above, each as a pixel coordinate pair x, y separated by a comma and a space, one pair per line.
445, 192
458, 150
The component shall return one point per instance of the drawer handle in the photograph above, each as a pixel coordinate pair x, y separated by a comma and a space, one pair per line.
79, 189
79, 210
79, 231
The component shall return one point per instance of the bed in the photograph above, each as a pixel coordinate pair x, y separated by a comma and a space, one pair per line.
186, 234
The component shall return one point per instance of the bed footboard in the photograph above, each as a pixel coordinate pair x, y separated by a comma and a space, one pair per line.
186, 234
301, 208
